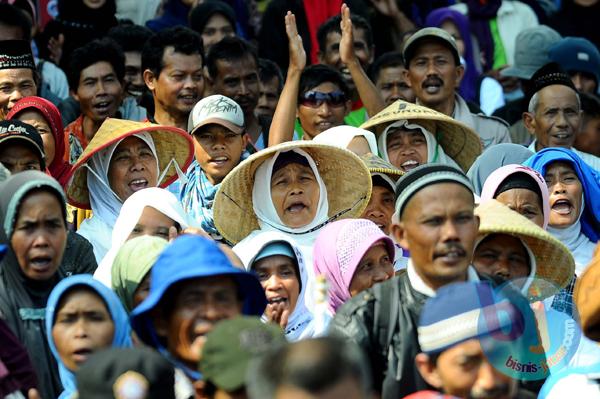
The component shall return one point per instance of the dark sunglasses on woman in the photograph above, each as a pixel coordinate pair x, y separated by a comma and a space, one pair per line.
314, 99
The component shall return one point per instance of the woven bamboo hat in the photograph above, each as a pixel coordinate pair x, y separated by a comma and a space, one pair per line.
170, 143
458, 140
376, 164
554, 263
346, 177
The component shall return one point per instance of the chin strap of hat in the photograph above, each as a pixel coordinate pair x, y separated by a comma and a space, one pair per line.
180, 175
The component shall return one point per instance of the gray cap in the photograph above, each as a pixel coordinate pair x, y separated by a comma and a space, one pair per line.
429, 33
531, 51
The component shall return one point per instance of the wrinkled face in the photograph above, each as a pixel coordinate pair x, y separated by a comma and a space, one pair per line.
218, 150
452, 29
17, 157
588, 139
526, 202
99, 92
381, 208
465, 372
502, 255
439, 228
566, 194
316, 118
216, 29
584, 82
295, 194
331, 54
392, 86
556, 119
433, 74
14, 85
152, 223
375, 266
82, 326
277, 275
198, 305
238, 80
268, 97
39, 236
134, 80
37, 120
406, 148
132, 168
179, 85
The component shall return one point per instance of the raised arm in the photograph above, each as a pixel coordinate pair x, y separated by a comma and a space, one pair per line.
282, 126
370, 96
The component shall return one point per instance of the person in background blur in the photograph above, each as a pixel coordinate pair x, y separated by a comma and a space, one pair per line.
387, 73
588, 138
18, 77
581, 60
213, 20
174, 13
270, 84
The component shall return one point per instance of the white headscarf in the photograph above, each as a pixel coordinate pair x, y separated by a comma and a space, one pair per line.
154, 197
341, 136
435, 152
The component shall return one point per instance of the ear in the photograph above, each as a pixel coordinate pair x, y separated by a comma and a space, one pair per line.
406, 77
428, 370
529, 122
149, 79
74, 95
460, 73
399, 234
245, 139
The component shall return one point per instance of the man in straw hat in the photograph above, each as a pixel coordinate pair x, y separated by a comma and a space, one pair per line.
434, 72
18, 78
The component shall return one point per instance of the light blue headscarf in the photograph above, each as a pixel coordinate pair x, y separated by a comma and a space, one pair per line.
121, 339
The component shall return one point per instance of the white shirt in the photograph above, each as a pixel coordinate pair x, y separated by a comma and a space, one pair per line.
590, 159
420, 286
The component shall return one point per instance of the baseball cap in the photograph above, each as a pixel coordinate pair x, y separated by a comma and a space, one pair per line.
411, 44
531, 51
577, 54
230, 347
217, 109
26, 134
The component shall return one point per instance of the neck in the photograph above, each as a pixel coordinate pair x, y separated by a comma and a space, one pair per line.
538, 146
90, 127
446, 107
436, 283
163, 117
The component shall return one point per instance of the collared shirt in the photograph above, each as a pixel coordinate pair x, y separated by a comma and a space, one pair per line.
421, 287
590, 159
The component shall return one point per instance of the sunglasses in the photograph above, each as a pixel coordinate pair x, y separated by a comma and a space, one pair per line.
314, 99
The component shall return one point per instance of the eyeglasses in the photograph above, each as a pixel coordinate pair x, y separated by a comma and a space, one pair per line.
314, 99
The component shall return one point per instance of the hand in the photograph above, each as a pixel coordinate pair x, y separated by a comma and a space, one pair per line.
347, 42
389, 8
173, 233
278, 313
296, 48
55, 47
33, 394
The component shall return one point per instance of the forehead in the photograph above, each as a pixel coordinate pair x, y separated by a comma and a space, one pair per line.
16, 74
79, 295
430, 48
335, 37
237, 66
559, 167
17, 148
51, 206
325, 87
557, 96
176, 60
446, 197
207, 284
273, 261
131, 142
217, 20
391, 72
503, 241
100, 68
31, 114
292, 167
212, 128
271, 84
397, 132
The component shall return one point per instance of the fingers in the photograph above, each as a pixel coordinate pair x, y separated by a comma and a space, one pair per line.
290, 25
285, 315
196, 231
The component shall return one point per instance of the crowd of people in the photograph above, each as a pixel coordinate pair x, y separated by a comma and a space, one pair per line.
299, 199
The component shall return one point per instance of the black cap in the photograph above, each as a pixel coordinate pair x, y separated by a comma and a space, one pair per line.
25, 134
548, 75
16, 54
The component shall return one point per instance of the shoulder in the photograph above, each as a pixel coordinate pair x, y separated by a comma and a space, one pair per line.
490, 119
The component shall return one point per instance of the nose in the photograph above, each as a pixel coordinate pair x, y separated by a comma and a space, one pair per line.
81, 330
380, 274
189, 82
576, 79
218, 142
558, 188
374, 211
324, 109
503, 268
488, 379
273, 283
15, 96
137, 164
431, 70
449, 231
41, 240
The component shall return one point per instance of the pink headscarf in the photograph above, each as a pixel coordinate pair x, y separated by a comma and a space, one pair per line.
338, 249
495, 179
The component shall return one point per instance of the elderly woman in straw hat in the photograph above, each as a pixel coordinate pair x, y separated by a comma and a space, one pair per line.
122, 158
411, 135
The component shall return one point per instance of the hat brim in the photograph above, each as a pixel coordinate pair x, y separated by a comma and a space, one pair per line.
378, 165
459, 141
170, 143
31, 144
516, 72
346, 177
218, 121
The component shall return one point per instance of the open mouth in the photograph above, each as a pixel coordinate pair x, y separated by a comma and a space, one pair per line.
277, 299
322, 126
562, 207
409, 165
219, 161
102, 107
451, 256
138, 184
81, 355
433, 86
40, 263
188, 98
562, 136
296, 207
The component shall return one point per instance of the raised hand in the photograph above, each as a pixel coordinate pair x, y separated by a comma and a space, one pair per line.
347, 42
296, 48
277, 313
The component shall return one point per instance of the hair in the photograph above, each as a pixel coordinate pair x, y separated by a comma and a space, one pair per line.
130, 37
182, 39
201, 14
229, 49
535, 101
590, 105
95, 51
11, 15
333, 25
390, 59
78, 288
268, 70
315, 75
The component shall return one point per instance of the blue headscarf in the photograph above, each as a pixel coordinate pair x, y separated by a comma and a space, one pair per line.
590, 181
122, 337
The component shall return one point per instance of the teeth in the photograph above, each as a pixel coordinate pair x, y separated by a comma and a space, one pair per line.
410, 162
277, 300
220, 159
139, 181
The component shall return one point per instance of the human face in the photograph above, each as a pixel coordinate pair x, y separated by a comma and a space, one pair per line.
556, 119
392, 86
39, 236
526, 202
452, 29
37, 120
238, 80
152, 223
134, 80
142, 291
132, 168
502, 255
179, 85
295, 194
278, 277
406, 148
14, 85
588, 139
584, 82
218, 150
94, 4
566, 194
17, 157
465, 372
82, 326
216, 29
381, 208
439, 228
268, 97
99, 92
316, 120
375, 266
433, 74
331, 54
198, 305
